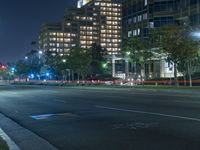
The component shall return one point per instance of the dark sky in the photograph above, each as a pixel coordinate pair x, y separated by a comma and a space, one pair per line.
20, 21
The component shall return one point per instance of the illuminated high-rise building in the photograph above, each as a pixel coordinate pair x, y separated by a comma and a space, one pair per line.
99, 22
54, 39
93, 22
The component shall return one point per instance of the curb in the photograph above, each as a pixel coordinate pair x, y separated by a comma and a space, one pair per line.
9, 141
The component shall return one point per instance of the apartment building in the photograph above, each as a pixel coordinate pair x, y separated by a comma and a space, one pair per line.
92, 22
54, 39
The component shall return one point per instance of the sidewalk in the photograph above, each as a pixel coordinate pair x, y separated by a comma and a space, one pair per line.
11, 144
24, 139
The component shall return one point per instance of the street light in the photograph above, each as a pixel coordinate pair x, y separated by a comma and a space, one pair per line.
40, 52
32, 76
104, 65
13, 69
47, 74
195, 35
64, 60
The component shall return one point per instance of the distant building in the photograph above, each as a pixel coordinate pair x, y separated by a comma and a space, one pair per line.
54, 39
94, 21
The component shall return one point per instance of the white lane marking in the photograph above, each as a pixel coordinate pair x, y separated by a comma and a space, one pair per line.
149, 113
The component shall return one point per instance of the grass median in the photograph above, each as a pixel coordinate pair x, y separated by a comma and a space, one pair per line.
3, 145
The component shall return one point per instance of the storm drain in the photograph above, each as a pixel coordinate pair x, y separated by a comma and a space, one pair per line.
50, 116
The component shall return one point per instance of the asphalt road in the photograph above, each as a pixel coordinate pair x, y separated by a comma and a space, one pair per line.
106, 118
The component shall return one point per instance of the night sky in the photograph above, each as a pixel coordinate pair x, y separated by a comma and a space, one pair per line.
20, 21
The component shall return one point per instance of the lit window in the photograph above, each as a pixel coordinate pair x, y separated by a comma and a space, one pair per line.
138, 31
134, 19
151, 24
129, 33
139, 18
145, 16
97, 3
134, 32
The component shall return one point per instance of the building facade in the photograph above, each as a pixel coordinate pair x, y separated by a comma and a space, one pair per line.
140, 16
93, 22
54, 39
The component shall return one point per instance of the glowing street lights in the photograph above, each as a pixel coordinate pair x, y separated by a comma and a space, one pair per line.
64, 60
40, 52
105, 65
13, 70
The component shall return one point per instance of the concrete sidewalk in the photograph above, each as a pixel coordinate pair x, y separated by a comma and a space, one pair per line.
24, 138
11, 144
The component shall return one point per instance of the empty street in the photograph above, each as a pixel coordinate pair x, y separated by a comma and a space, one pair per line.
89, 118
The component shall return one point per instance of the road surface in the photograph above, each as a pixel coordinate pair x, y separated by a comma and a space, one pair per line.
106, 118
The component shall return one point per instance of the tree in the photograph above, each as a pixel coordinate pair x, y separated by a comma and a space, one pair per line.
138, 51
178, 46
62, 66
52, 61
98, 60
30, 65
22, 69
188, 57
33, 62
3, 71
80, 60
130, 48
33, 44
